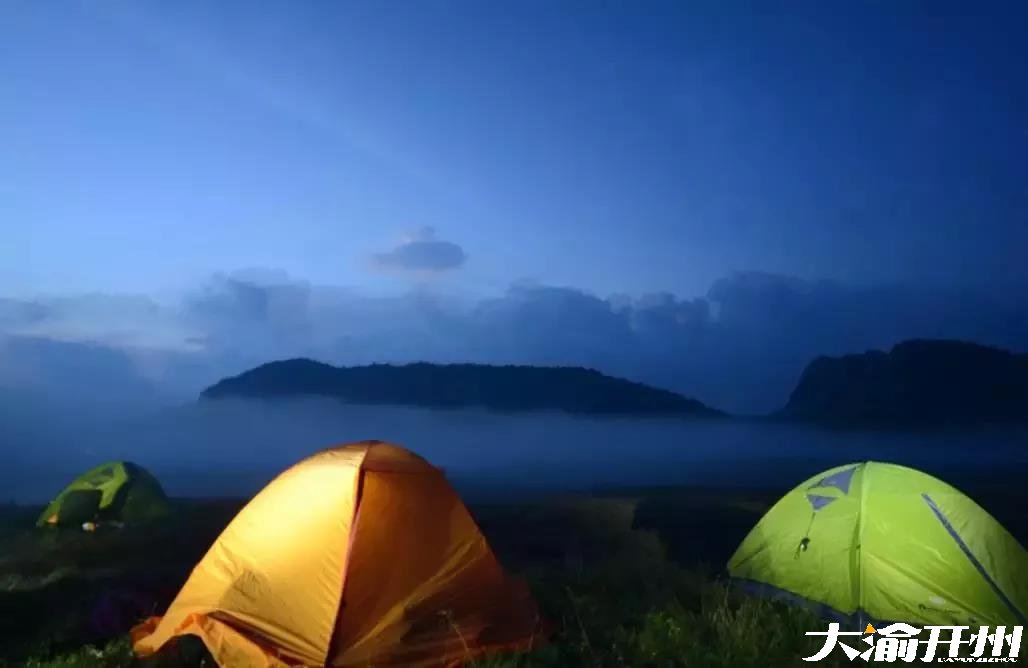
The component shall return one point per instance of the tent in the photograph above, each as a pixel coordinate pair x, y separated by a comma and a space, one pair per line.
359, 555
115, 491
885, 542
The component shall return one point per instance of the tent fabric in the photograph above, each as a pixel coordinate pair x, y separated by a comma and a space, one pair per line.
893, 544
125, 491
78, 506
359, 555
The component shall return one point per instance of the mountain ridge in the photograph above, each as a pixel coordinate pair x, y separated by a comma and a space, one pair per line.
918, 381
516, 388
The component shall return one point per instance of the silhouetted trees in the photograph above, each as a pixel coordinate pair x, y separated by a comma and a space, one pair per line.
507, 388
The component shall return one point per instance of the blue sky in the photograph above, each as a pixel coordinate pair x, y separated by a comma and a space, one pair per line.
701, 195
615, 147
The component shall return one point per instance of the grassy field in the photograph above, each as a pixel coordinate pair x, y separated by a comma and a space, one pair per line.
632, 578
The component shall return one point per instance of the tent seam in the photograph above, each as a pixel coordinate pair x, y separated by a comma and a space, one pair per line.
358, 496
952, 531
860, 537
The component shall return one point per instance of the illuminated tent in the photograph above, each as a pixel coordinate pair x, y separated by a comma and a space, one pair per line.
889, 543
359, 555
115, 491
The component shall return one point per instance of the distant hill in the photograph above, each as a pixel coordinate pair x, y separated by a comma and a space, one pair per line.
924, 382
505, 388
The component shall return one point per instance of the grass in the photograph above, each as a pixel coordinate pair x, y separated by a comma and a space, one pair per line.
67, 598
632, 579
616, 598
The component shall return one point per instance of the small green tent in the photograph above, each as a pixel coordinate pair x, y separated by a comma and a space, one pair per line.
115, 491
885, 542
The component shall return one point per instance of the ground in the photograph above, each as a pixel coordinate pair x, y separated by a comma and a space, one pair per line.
628, 578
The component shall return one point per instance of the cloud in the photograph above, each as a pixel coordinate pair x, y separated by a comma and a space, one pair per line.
549, 325
740, 347
126, 321
249, 310
30, 362
422, 252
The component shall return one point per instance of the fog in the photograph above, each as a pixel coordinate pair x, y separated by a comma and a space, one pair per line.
231, 448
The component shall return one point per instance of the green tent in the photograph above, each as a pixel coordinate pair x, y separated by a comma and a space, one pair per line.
885, 542
115, 491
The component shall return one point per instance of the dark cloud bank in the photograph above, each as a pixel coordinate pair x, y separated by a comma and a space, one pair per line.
741, 347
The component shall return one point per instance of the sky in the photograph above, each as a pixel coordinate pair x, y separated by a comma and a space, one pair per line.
546, 182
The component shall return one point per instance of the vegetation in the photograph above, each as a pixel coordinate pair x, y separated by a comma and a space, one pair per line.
917, 383
617, 598
68, 598
505, 388
920, 382
625, 580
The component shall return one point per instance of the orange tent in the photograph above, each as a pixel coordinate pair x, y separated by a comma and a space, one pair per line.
359, 555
